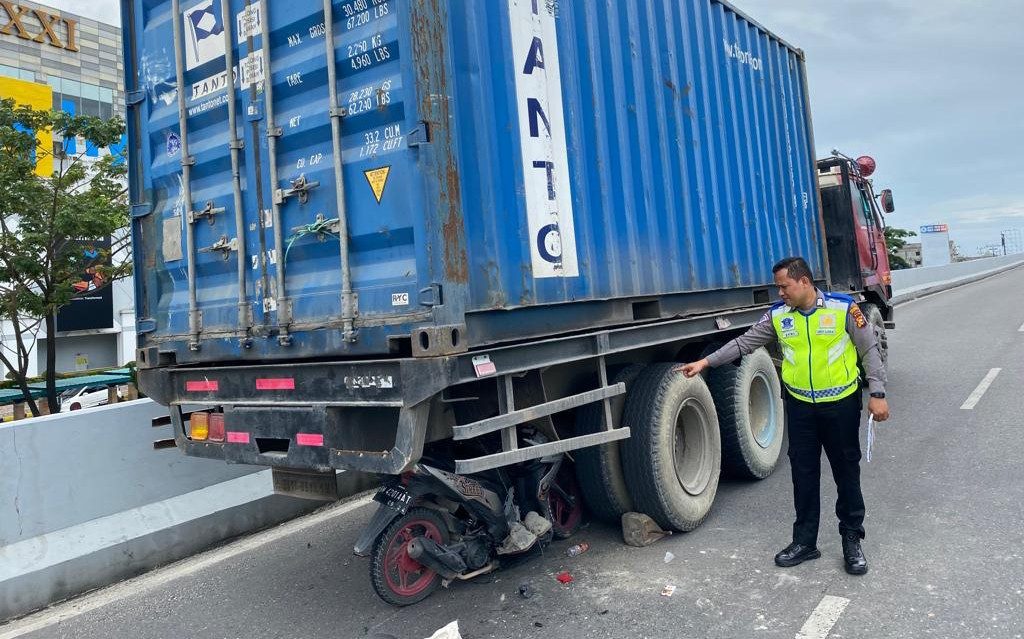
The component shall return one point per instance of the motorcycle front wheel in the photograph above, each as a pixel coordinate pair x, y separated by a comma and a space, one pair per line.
565, 504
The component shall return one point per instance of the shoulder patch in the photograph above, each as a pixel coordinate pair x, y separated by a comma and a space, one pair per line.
858, 316
767, 317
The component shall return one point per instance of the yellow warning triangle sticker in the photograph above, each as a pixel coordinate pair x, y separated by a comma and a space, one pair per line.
378, 179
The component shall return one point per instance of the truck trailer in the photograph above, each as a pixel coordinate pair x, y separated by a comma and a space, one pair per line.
462, 245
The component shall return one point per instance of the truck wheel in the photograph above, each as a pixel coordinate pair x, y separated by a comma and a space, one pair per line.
749, 402
599, 468
399, 579
874, 317
673, 458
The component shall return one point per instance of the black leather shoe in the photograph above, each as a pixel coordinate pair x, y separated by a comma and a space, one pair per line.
795, 554
853, 556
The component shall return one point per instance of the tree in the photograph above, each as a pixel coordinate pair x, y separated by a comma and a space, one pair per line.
46, 221
895, 239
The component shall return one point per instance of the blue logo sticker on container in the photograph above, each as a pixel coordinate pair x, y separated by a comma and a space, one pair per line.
173, 144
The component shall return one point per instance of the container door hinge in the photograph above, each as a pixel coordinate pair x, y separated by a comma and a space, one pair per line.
431, 296
145, 325
419, 135
135, 97
142, 209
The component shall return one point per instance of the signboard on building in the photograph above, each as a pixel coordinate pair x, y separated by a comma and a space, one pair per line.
40, 98
37, 25
93, 306
935, 245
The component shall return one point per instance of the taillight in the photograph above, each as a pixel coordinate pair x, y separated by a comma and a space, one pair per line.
200, 426
217, 427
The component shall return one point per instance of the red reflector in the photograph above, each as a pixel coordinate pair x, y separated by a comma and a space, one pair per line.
238, 438
309, 439
216, 427
201, 386
284, 383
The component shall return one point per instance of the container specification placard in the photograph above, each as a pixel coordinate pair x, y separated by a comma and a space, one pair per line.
542, 131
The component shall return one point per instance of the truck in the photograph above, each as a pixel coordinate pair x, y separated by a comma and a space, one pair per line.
463, 245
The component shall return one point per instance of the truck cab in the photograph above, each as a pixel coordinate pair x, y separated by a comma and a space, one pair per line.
855, 230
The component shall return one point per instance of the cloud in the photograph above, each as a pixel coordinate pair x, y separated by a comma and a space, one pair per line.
931, 90
107, 11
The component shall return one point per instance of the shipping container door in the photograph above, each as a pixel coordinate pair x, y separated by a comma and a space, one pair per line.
378, 167
289, 232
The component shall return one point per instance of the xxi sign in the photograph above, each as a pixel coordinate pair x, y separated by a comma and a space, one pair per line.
38, 26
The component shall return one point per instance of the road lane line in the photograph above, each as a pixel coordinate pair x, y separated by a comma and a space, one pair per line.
975, 397
63, 612
1021, 329
820, 623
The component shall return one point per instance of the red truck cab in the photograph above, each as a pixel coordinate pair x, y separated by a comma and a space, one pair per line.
855, 232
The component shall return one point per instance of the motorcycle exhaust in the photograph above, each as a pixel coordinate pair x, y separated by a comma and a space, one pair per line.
444, 562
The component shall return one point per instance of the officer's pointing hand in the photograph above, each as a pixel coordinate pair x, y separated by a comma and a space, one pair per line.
879, 409
693, 369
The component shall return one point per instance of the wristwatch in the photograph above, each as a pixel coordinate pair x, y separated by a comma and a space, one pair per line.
878, 395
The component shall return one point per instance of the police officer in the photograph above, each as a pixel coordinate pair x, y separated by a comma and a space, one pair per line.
821, 335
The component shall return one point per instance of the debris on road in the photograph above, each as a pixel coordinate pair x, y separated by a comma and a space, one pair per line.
669, 557
564, 578
668, 590
525, 592
451, 631
640, 530
577, 550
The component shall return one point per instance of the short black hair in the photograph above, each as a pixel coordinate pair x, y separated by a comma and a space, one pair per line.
795, 267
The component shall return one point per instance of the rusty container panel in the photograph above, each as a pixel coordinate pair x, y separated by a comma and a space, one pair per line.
682, 143
510, 169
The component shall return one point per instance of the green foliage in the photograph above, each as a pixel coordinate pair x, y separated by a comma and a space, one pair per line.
895, 239
44, 221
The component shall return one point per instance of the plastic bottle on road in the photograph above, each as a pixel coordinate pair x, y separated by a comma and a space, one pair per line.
578, 549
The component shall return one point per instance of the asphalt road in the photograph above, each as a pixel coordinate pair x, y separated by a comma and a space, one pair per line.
945, 540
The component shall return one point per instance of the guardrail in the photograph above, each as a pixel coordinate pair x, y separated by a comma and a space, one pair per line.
909, 284
86, 501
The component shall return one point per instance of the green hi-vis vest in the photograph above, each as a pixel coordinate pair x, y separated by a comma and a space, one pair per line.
819, 357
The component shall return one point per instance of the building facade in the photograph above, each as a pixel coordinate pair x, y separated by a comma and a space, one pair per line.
78, 58
54, 59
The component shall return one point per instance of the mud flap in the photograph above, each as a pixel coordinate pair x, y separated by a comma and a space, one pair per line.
381, 520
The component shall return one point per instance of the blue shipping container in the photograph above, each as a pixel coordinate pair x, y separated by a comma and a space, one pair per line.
507, 168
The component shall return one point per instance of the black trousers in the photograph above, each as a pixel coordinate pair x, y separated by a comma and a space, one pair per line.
834, 426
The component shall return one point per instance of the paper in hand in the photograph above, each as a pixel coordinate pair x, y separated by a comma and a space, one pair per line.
871, 436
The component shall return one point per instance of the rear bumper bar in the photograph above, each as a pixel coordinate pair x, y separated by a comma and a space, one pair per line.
277, 403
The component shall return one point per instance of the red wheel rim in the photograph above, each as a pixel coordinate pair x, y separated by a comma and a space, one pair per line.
404, 575
565, 516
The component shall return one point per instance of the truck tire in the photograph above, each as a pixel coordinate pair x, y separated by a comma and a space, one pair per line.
599, 468
750, 415
874, 317
673, 458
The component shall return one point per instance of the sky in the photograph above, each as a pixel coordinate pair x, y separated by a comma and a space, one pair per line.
932, 89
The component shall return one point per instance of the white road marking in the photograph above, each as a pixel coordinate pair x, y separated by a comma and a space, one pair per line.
144, 583
975, 397
820, 623
1021, 329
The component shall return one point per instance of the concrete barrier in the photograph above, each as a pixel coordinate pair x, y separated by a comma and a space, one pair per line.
910, 284
85, 501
